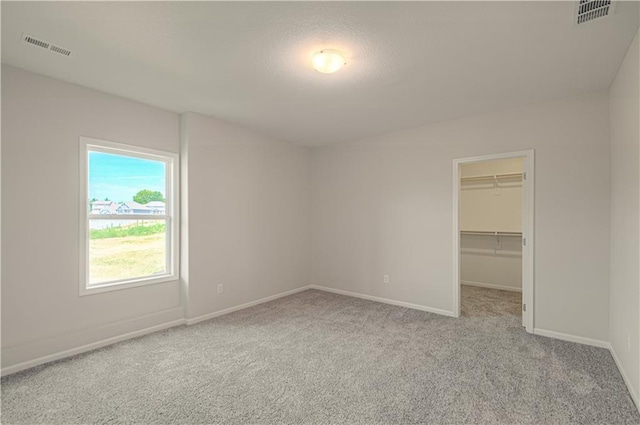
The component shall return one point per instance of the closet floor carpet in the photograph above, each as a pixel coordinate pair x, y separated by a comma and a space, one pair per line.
319, 358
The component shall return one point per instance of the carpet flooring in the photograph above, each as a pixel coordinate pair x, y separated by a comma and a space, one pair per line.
321, 358
484, 302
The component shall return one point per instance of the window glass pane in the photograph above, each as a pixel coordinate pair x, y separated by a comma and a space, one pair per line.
126, 249
121, 184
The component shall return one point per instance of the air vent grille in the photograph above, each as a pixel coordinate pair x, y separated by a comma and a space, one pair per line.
589, 10
60, 50
34, 41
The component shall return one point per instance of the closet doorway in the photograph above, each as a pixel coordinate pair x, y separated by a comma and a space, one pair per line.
493, 235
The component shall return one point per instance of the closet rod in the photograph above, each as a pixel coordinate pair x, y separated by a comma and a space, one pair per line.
481, 233
492, 177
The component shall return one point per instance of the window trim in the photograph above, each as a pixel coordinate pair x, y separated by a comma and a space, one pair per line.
171, 215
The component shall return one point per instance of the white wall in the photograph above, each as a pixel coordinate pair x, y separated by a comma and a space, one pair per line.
248, 215
624, 327
42, 312
490, 261
384, 206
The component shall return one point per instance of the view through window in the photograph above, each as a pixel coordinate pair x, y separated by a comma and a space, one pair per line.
129, 215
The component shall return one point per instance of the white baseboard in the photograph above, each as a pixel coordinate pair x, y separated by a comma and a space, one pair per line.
88, 347
490, 286
243, 306
625, 378
384, 300
571, 338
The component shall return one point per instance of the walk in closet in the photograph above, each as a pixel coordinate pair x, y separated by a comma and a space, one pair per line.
491, 224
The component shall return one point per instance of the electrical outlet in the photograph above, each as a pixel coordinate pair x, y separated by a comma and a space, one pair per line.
220, 289
385, 278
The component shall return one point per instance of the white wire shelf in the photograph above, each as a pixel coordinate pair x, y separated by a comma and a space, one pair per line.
488, 233
493, 177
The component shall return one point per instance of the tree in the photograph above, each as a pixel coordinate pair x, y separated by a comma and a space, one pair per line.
145, 196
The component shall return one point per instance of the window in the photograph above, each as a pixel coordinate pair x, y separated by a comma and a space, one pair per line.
128, 230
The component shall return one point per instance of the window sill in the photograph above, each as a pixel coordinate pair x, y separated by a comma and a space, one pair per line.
116, 286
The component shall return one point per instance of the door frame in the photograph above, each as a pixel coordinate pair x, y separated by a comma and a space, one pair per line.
528, 250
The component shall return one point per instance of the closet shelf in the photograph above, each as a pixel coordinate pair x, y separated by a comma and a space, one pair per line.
485, 233
493, 177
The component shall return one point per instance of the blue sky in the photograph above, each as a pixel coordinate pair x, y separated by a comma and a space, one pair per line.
120, 177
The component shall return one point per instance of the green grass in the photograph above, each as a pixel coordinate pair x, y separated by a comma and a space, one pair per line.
121, 232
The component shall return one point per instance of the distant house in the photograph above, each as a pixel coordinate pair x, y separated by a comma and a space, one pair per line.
132, 207
156, 207
104, 207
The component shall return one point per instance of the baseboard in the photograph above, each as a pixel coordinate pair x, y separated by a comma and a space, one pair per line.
571, 338
243, 306
384, 300
490, 286
88, 347
625, 378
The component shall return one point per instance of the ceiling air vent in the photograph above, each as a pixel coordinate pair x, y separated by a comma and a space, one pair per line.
60, 50
32, 40
29, 39
588, 10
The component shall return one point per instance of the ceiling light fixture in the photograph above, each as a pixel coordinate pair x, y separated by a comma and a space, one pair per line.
328, 61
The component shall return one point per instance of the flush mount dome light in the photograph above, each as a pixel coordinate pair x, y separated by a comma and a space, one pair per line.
328, 61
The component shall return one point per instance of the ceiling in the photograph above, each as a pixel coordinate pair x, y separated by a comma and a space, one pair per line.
408, 64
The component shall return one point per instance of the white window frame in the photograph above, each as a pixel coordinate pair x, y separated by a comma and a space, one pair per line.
171, 161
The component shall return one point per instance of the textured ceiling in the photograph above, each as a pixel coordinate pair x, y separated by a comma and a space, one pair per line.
408, 64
